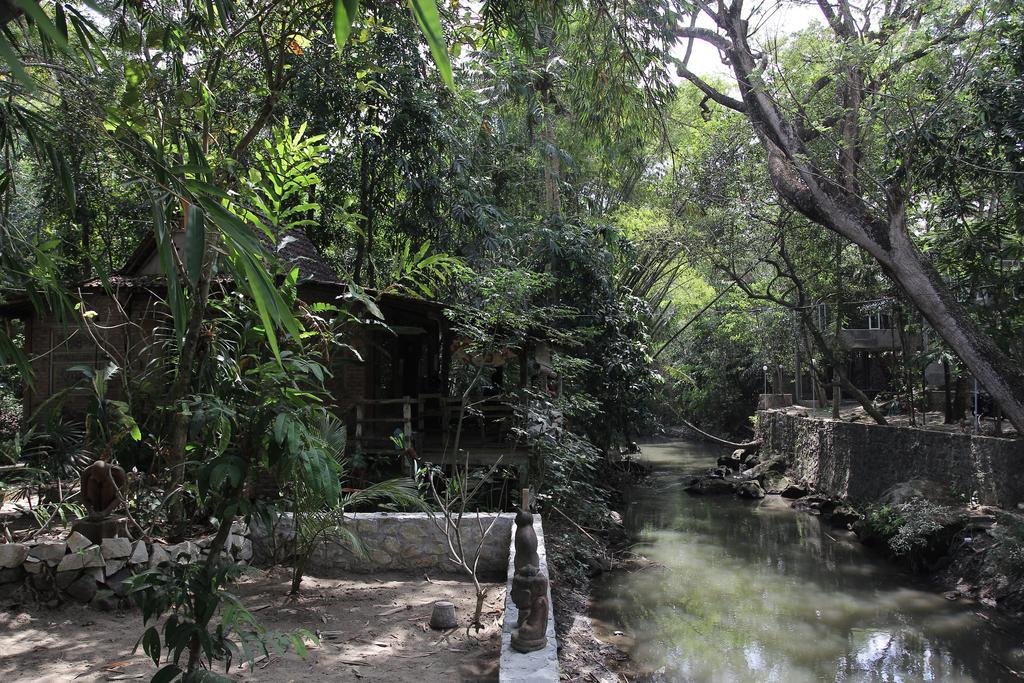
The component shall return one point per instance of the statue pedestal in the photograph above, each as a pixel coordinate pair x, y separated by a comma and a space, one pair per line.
98, 529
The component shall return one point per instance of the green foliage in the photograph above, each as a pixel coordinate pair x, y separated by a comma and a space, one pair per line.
911, 528
1009, 549
192, 595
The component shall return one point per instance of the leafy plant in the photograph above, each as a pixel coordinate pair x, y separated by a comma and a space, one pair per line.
192, 595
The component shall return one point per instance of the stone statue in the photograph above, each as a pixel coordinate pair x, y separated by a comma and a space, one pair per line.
101, 489
529, 589
531, 635
526, 542
101, 495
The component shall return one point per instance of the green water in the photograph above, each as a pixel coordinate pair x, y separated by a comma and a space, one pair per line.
754, 591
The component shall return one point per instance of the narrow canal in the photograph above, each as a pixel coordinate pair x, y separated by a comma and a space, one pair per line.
755, 591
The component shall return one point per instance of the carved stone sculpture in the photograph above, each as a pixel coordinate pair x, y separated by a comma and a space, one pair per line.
529, 589
101, 495
531, 635
526, 542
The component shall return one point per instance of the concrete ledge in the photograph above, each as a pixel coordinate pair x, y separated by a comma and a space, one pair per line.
533, 667
394, 541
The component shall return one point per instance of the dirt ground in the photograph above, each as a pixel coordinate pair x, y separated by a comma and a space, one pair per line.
373, 628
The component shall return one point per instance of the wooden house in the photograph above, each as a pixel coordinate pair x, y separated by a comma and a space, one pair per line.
396, 400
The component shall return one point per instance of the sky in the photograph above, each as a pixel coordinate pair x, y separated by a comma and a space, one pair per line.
785, 18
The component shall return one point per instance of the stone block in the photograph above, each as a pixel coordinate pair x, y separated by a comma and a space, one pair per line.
89, 557
245, 551
82, 589
33, 565
12, 555
158, 555
116, 548
114, 565
140, 554
50, 552
184, 552
119, 582
66, 578
12, 574
76, 541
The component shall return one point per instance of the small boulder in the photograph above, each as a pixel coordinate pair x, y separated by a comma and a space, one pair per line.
752, 462
710, 486
116, 548
140, 554
794, 491
83, 589
12, 555
12, 574
50, 552
775, 484
157, 556
844, 517
76, 541
114, 565
750, 489
33, 565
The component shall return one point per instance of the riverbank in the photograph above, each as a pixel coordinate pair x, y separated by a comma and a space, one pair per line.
742, 589
945, 505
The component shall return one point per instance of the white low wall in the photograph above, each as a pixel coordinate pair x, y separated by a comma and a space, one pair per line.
394, 541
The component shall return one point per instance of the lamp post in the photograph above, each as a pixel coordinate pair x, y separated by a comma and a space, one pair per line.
765, 369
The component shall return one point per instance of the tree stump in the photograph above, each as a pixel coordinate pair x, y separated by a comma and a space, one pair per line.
442, 617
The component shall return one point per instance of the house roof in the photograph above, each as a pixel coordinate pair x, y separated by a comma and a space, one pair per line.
295, 248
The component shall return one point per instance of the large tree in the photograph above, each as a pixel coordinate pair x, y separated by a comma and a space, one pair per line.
836, 140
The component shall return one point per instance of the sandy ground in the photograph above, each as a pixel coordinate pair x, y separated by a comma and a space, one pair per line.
364, 638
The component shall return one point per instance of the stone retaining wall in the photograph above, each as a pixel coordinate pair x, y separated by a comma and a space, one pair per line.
73, 568
394, 541
859, 460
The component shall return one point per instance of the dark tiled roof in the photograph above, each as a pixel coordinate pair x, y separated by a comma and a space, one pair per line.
296, 249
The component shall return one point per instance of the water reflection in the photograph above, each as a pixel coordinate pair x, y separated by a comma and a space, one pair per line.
757, 592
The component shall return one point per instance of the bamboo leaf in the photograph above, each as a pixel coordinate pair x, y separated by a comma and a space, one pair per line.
344, 15
430, 24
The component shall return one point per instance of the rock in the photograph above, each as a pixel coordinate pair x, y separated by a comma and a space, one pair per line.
90, 557
11, 591
51, 552
812, 504
729, 461
918, 488
116, 548
794, 491
12, 574
157, 556
12, 555
105, 600
119, 582
114, 566
844, 516
710, 486
245, 552
752, 462
739, 454
140, 554
184, 552
65, 579
33, 565
82, 589
750, 489
76, 541
775, 484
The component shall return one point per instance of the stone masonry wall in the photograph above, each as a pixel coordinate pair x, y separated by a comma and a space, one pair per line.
859, 461
74, 569
393, 541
